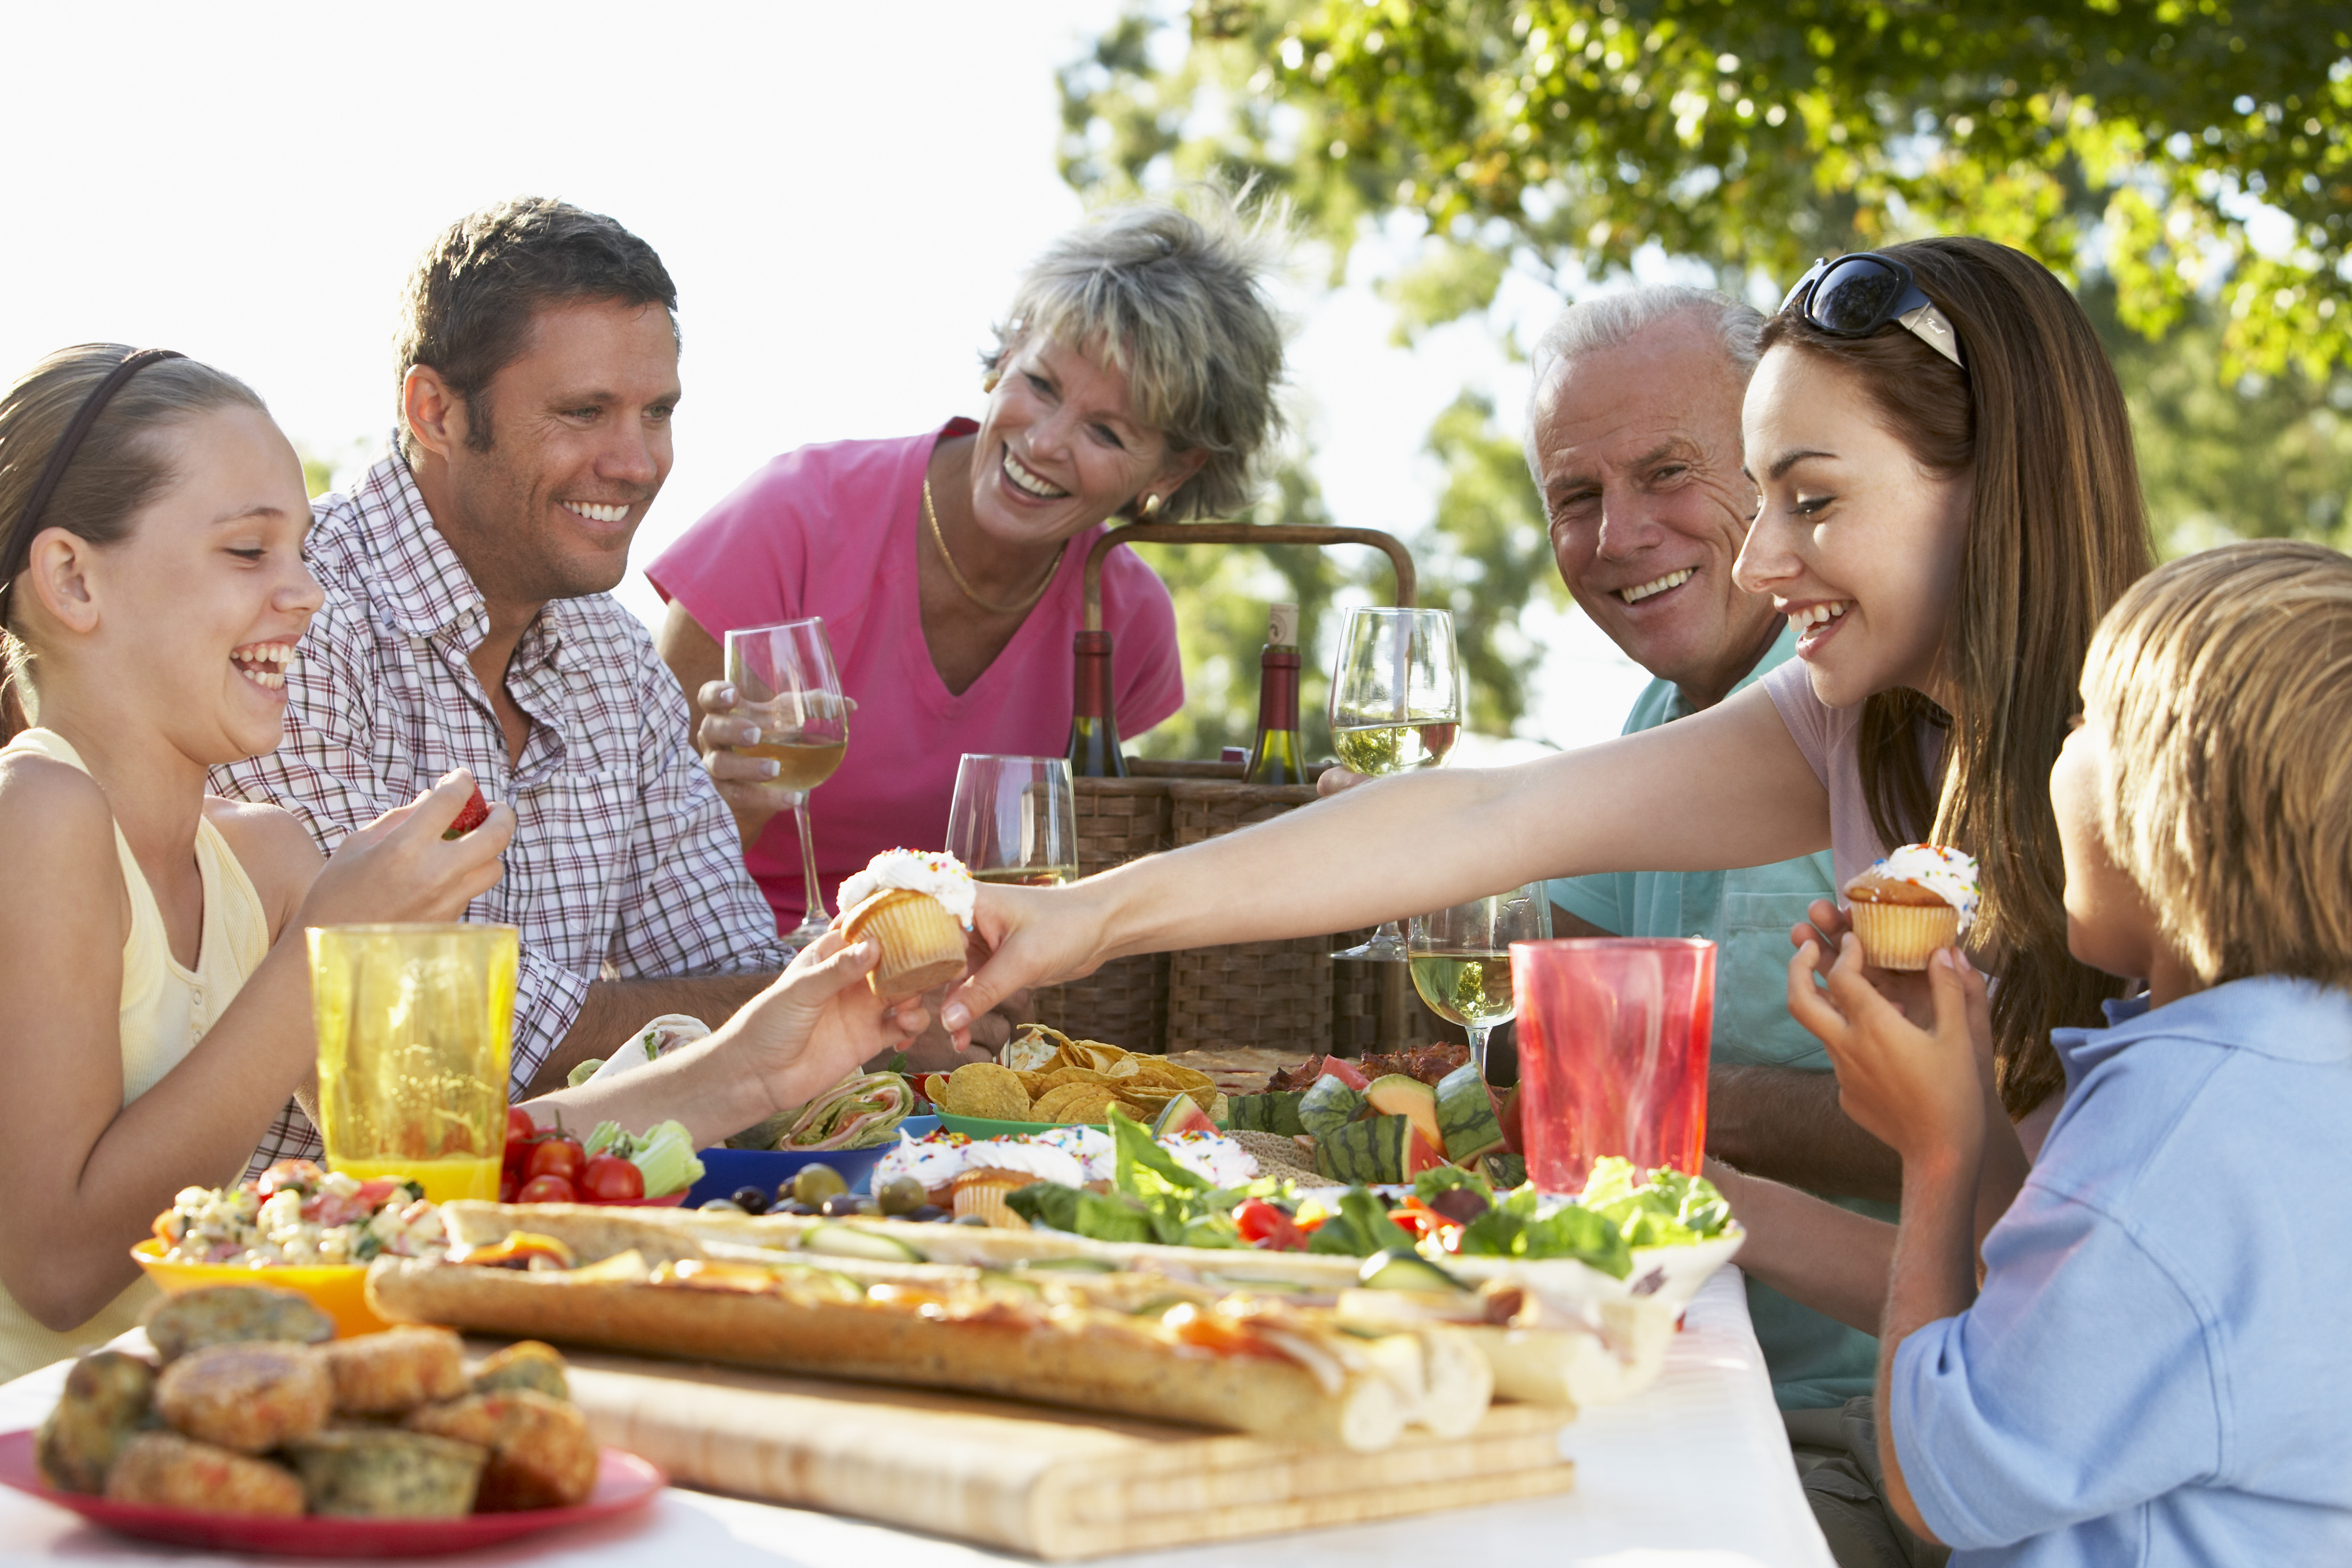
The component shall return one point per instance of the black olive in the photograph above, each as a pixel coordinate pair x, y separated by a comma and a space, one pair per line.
924, 1214
790, 1206
751, 1200
1459, 1204
844, 1206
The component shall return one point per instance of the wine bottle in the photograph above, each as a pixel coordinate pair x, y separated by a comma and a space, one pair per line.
1279, 756
1093, 731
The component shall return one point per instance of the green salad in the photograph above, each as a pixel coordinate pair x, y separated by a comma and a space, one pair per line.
1450, 1211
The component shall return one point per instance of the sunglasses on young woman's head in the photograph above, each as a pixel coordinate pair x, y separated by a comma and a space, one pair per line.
1855, 296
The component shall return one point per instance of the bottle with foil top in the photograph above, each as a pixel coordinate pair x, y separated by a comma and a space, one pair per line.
1094, 730
1279, 756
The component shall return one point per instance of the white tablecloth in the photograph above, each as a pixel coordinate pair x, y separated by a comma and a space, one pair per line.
1693, 1473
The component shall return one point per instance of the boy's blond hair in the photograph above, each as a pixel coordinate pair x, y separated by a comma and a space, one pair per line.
2225, 681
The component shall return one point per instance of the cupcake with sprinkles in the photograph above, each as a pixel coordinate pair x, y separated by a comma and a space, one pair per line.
1919, 899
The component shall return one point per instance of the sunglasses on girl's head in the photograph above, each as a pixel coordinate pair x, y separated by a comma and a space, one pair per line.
1855, 296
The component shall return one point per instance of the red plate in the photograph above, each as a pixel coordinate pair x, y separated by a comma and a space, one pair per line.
623, 1482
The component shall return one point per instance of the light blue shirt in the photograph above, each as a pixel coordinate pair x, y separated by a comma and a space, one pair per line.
1814, 1361
2156, 1371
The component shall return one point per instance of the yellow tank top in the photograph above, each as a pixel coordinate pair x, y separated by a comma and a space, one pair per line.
164, 1011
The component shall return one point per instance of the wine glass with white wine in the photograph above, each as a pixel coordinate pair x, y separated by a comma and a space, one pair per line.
1015, 820
1461, 959
1396, 706
790, 687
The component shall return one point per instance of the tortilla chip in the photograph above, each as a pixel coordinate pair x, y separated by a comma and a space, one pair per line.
986, 1090
1087, 1104
1049, 1104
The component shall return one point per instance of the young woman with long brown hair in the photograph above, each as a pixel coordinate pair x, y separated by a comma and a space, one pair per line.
1949, 503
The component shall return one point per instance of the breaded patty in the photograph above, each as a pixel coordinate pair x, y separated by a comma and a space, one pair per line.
400, 1369
109, 1398
527, 1364
387, 1474
164, 1469
247, 1397
234, 1314
541, 1453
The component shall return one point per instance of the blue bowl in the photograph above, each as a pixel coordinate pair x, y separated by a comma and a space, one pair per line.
724, 1171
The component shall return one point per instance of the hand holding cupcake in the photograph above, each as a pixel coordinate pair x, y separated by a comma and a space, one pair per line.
1921, 898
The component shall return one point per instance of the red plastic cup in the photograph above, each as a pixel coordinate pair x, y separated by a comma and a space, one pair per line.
1614, 1036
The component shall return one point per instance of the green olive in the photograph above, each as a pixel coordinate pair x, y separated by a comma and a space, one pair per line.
901, 1193
812, 1184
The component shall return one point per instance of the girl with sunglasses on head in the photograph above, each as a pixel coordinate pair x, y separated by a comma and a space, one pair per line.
154, 985
1948, 503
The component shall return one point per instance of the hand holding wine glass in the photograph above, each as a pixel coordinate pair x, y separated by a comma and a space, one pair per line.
1461, 959
1396, 706
787, 685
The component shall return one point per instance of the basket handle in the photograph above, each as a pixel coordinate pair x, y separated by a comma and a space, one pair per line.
1242, 533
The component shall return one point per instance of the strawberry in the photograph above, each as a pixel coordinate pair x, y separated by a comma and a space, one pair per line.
472, 815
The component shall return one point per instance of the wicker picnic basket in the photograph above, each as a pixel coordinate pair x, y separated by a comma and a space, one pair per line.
1288, 995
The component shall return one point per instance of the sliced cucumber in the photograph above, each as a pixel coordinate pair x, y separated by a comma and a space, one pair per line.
854, 1241
1068, 1265
1398, 1270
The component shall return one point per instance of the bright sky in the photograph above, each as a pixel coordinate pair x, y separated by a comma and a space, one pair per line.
844, 194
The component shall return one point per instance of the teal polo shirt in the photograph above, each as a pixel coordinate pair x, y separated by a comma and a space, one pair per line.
1815, 1361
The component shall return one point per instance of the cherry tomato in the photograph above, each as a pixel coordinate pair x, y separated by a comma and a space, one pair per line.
1268, 1226
610, 1178
520, 1128
556, 1157
507, 1188
547, 1190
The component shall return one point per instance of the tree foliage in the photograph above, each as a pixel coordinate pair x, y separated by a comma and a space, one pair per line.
2138, 137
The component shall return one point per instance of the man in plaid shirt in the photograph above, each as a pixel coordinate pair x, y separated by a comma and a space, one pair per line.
469, 624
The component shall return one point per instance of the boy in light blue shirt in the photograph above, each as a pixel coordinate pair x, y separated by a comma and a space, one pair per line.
2152, 1371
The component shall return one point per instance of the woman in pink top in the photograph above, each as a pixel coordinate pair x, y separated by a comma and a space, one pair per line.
1134, 378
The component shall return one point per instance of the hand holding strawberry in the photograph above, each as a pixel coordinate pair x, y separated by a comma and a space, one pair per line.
470, 815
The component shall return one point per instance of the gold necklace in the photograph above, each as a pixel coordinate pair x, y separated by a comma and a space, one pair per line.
940, 539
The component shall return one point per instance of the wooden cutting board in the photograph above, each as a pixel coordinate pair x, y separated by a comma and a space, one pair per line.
1051, 1483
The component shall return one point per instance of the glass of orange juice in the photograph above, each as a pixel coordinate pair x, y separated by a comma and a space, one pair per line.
415, 1024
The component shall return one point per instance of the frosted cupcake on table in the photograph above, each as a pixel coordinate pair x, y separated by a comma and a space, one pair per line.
1921, 898
917, 905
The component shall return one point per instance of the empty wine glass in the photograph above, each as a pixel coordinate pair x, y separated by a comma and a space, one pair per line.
1396, 706
1015, 820
791, 687
1461, 959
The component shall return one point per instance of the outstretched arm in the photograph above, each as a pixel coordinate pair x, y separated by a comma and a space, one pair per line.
1725, 787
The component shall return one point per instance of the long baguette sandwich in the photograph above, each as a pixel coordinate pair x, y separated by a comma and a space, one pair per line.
1115, 1341
1532, 1348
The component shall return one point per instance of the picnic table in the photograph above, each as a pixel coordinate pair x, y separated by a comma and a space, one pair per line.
1695, 1472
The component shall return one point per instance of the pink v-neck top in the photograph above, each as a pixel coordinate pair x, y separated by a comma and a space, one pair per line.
832, 531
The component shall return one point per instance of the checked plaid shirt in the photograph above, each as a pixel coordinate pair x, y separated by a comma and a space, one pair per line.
625, 864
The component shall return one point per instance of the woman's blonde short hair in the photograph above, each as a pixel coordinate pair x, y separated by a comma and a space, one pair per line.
1176, 298
2225, 682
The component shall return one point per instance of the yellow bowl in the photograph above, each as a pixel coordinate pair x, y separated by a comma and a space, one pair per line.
338, 1288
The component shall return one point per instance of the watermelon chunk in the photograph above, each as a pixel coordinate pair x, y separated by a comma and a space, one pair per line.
1329, 1105
1276, 1112
1365, 1152
1420, 1156
1468, 1124
1345, 1071
1182, 1115
1505, 1172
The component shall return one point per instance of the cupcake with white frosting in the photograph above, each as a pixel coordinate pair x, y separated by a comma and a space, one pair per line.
1921, 898
917, 905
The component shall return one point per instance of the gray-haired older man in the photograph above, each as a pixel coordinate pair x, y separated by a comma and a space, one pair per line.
1633, 439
